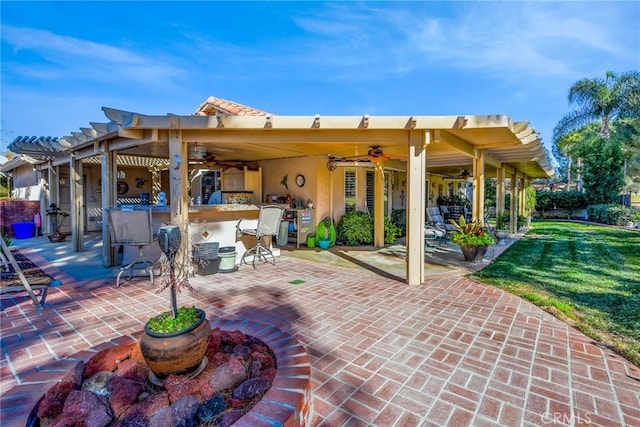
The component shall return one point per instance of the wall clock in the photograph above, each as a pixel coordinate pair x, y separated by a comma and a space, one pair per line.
300, 180
123, 188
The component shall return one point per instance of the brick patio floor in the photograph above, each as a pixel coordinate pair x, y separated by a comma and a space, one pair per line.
451, 352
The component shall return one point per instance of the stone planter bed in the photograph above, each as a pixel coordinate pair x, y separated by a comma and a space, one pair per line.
243, 375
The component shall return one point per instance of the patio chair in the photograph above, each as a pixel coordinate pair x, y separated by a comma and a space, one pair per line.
434, 219
15, 277
488, 213
432, 234
132, 228
268, 225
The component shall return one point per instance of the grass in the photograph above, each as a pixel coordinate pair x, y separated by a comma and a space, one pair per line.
586, 275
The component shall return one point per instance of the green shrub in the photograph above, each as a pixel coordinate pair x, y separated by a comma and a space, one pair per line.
567, 200
611, 214
391, 231
356, 228
399, 219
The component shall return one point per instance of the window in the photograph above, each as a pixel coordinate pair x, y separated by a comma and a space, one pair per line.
349, 190
370, 190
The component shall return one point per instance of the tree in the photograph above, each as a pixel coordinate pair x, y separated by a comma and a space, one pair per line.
603, 175
571, 146
603, 100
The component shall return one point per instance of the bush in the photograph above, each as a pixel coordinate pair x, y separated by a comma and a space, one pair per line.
399, 220
356, 228
611, 214
567, 200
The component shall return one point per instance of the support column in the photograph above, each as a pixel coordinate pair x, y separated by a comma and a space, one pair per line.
378, 206
477, 211
54, 188
108, 201
416, 174
513, 213
178, 175
77, 203
500, 190
156, 184
521, 196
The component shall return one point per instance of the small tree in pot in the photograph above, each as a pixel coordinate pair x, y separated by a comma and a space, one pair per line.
175, 342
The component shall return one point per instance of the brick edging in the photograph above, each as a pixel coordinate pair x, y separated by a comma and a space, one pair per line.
287, 403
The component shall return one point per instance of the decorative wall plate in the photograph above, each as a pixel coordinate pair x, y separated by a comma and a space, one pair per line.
300, 180
123, 188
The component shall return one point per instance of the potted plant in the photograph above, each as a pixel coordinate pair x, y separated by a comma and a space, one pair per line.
175, 342
326, 233
472, 238
57, 219
502, 223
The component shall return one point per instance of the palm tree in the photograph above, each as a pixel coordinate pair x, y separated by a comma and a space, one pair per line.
604, 100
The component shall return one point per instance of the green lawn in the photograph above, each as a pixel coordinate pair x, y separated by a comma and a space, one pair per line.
586, 275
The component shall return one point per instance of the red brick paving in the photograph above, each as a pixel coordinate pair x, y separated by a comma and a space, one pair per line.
451, 352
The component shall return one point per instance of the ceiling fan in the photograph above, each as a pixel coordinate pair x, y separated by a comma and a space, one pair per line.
374, 155
464, 174
210, 160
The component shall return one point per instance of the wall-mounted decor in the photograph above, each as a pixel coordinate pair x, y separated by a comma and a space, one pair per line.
123, 188
300, 180
140, 181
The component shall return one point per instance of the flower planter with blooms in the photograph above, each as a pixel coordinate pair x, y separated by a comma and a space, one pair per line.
472, 237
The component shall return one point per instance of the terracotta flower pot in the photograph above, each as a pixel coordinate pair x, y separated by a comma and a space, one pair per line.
180, 352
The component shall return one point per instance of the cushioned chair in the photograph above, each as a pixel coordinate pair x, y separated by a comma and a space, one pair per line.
132, 228
434, 219
268, 225
432, 234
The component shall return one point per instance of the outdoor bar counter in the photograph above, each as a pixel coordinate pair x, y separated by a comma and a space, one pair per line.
207, 223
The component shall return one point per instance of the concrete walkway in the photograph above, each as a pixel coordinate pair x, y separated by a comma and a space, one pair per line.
451, 352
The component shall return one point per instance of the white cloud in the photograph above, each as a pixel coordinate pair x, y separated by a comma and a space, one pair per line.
84, 60
546, 39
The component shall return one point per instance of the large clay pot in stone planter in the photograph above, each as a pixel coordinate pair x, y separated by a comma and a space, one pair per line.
180, 353
474, 253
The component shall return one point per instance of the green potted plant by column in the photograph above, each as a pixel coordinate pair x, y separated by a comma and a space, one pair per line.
472, 237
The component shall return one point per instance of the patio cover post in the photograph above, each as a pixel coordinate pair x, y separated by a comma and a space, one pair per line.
513, 214
416, 175
500, 189
77, 202
178, 175
477, 210
108, 200
52, 197
378, 206
521, 195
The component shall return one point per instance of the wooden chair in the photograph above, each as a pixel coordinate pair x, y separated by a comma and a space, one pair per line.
36, 283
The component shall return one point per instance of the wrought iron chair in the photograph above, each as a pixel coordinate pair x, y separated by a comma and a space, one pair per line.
132, 228
268, 225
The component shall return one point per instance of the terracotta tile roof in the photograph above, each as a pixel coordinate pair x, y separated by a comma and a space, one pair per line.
214, 105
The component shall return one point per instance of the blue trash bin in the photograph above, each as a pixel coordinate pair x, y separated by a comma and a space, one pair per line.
24, 230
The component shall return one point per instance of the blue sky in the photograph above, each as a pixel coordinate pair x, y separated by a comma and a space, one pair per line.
63, 61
